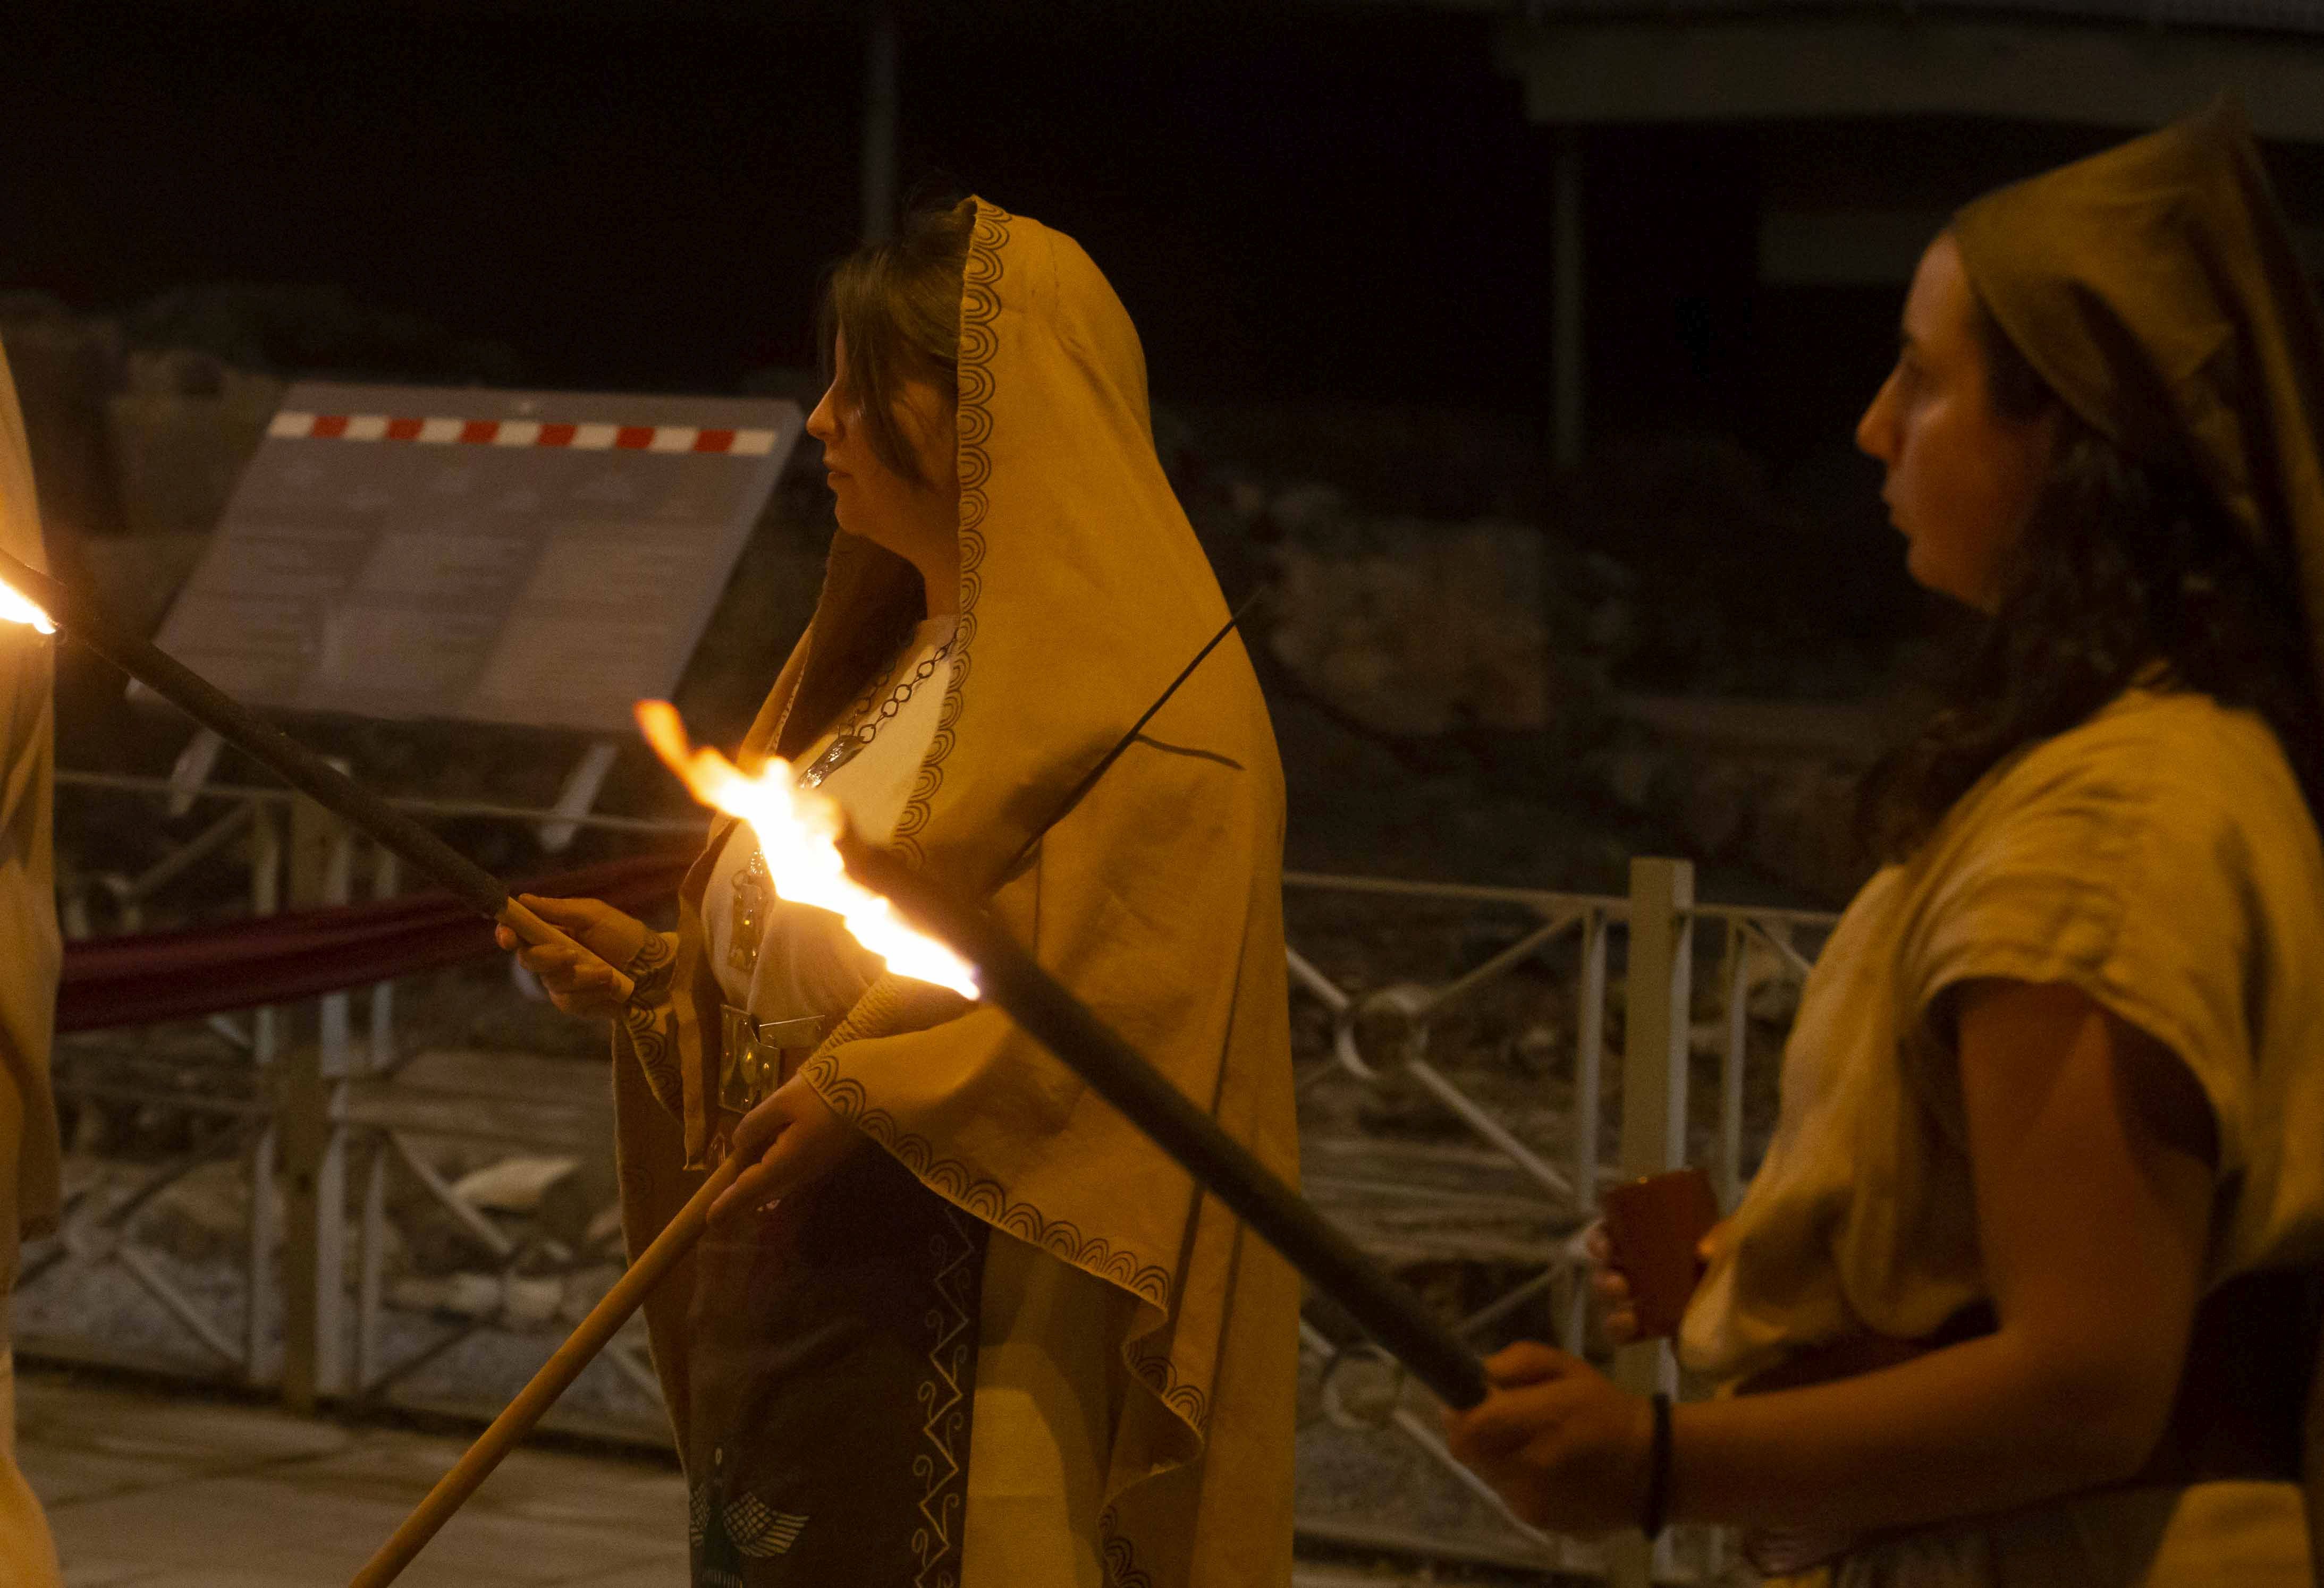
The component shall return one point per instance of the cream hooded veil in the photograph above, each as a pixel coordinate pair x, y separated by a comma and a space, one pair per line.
1156, 899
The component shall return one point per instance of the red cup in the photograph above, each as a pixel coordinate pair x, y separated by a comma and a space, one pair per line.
1653, 1226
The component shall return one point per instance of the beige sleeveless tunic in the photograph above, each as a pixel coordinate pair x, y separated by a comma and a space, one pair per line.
2161, 858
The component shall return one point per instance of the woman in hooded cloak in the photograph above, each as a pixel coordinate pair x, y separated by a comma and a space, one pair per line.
2023, 1290
960, 1322
30, 952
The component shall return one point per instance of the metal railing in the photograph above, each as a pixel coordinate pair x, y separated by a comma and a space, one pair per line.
318, 1101
1661, 923
317, 1105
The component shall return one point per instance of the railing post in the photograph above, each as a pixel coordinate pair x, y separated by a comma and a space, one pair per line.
1589, 1057
256, 1312
1657, 1010
1736, 1058
371, 1276
265, 899
314, 1144
386, 878
1659, 996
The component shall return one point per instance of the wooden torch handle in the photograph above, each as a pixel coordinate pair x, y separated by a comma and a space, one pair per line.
532, 929
517, 1419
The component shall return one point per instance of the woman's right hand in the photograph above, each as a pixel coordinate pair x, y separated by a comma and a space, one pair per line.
577, 982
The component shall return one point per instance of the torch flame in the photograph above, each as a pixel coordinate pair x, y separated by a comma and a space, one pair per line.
795, 828
15, 607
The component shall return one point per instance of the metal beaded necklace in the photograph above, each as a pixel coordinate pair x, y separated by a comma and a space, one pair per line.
755, 887
856, 738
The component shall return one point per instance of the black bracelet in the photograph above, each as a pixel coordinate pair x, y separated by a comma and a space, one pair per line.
1658, 1470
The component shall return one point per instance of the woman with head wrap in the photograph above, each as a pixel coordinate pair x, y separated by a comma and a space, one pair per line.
960, 1322
2020, 1292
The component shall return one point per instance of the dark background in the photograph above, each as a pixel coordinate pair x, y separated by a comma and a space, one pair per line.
1293, 201
1330, 220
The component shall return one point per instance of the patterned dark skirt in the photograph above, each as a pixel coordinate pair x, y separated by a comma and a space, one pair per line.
832, 1345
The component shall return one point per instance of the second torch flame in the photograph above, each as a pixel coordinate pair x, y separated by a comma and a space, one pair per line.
15, 607
795, 828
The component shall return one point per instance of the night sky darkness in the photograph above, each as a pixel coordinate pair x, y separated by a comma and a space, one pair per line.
1297, 200
1293, 201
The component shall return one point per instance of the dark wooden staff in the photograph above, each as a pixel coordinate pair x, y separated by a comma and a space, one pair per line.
90, 625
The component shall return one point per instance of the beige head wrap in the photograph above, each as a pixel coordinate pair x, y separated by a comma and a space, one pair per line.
2156, 288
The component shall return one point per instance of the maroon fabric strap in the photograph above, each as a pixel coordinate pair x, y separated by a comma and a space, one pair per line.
280, 959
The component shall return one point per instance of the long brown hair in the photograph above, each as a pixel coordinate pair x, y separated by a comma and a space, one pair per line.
897, 306
2126, 563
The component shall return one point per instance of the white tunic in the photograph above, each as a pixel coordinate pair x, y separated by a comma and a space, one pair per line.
806, 962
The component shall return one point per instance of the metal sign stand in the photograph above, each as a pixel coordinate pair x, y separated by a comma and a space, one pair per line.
192, 769
582, 786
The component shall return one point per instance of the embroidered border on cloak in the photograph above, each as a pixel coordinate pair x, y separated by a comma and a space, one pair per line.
649, 1035
1120, 1555
977, 1195
1192, 1405
979, 310
942, 1467
957, 1183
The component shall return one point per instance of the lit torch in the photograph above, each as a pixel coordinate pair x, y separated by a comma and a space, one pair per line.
814, 860
15, 609
797, 830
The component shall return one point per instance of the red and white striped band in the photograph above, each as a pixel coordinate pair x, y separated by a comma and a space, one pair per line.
289, 425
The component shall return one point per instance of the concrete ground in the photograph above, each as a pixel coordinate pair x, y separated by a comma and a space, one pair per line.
150, 1490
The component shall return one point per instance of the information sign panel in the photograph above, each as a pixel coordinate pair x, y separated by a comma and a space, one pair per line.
538, 557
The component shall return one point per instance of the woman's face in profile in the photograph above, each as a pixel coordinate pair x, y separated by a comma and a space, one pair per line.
873, 501
1962, 479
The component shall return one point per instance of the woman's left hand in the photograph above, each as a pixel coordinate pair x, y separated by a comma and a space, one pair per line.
1559, 1441
791, 1140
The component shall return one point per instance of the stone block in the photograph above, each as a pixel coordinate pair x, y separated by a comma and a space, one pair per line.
65, 366
1416, 628
177, 451
137, 576
549, 1191
204, 1216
